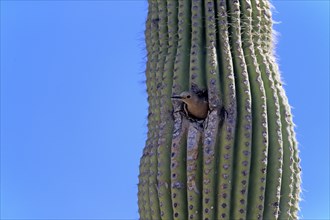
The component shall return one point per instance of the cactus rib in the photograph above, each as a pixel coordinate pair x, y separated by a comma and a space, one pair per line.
244, 117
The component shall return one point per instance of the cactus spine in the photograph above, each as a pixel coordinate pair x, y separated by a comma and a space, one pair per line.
243, 164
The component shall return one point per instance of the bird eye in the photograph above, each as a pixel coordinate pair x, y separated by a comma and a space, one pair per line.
188, 96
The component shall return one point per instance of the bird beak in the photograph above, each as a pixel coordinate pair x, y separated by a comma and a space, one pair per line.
176, 97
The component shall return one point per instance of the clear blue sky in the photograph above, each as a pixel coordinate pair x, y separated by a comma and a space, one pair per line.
73, 105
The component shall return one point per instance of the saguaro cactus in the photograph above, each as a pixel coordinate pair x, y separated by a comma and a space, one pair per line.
241, 162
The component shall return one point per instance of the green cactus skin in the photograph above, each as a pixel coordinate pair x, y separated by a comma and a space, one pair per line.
242, 161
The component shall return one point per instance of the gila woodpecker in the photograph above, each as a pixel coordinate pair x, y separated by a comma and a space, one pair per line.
195, 105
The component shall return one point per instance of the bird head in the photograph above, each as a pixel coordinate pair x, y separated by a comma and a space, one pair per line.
185, 96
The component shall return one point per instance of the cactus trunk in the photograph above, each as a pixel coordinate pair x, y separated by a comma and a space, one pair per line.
242, 161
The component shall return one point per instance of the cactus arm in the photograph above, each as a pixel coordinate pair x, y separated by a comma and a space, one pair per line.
244, 117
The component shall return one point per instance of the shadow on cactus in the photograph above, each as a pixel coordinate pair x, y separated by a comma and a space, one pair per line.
221, 141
